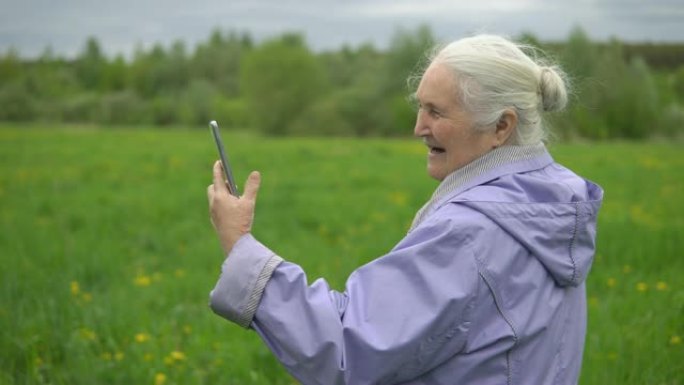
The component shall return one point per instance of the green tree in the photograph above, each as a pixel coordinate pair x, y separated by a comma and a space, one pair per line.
218, 61
407, 54
160, 71
115, 75
623, 96
279, 80
16, 101
50, 80
10, 67
677, 82
197, 103
90, 65
593, 77
349, 66
528, 38
579, 55
634, 107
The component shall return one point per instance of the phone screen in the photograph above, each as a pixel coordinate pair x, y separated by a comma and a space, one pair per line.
230, 181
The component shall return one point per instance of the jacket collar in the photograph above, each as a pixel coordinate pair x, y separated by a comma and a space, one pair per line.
498, 162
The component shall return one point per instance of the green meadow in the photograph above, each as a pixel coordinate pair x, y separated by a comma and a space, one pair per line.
107, 253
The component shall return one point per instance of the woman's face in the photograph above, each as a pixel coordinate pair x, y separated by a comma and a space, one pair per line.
445, 126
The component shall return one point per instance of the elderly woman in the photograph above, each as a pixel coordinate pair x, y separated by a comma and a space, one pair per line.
488, 285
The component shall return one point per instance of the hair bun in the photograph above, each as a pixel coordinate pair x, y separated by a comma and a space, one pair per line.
552, 89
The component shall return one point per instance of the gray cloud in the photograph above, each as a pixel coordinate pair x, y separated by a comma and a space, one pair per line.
32, 25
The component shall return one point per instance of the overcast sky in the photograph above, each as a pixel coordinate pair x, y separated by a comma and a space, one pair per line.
32, 25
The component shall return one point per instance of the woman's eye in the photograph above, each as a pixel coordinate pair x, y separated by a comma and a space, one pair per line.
434, 113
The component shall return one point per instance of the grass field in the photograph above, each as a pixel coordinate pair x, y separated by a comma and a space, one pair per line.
108, 255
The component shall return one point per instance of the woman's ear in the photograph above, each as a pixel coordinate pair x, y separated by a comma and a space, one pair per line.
507, 124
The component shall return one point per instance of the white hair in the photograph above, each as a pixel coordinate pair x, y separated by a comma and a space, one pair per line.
494, 74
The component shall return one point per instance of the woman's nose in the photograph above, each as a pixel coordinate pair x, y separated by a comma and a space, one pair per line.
421, 128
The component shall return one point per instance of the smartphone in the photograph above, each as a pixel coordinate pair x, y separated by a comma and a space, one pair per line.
230, 181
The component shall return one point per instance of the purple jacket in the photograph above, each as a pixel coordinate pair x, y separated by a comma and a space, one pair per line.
486, 288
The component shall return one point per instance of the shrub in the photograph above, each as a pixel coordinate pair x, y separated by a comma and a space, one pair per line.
322, 117
81, 108
197, 103
671, 122
230, 112
164, 110
16, 104
123, 107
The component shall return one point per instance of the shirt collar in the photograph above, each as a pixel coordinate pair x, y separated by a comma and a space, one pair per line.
499, 161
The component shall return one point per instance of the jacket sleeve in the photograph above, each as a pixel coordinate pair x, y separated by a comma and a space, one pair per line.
400, 315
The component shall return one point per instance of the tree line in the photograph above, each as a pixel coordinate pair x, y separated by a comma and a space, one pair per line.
281, 87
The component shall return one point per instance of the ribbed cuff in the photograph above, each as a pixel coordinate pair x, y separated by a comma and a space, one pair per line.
244, 275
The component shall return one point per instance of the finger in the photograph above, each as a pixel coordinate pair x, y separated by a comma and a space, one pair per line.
219, 184
210, 198
210, 192
252, 185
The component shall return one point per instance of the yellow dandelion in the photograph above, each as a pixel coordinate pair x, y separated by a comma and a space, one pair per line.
593, 301
142, 280
323, 231
179, 273
86, 297
399, 198
75, 288
667, 191
118, 356
168, 360
187, 329
675, 340
22, 174
150, 169
611, 282
148, 357
626, 269
641, 286
87, 334
177, 355
650, 163
175, 162
182, 247
42, 220
107, 356
378, 216
159, 379
642, 216
661, 286
141, 337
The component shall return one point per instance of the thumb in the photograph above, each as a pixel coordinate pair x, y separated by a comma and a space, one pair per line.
252, 185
